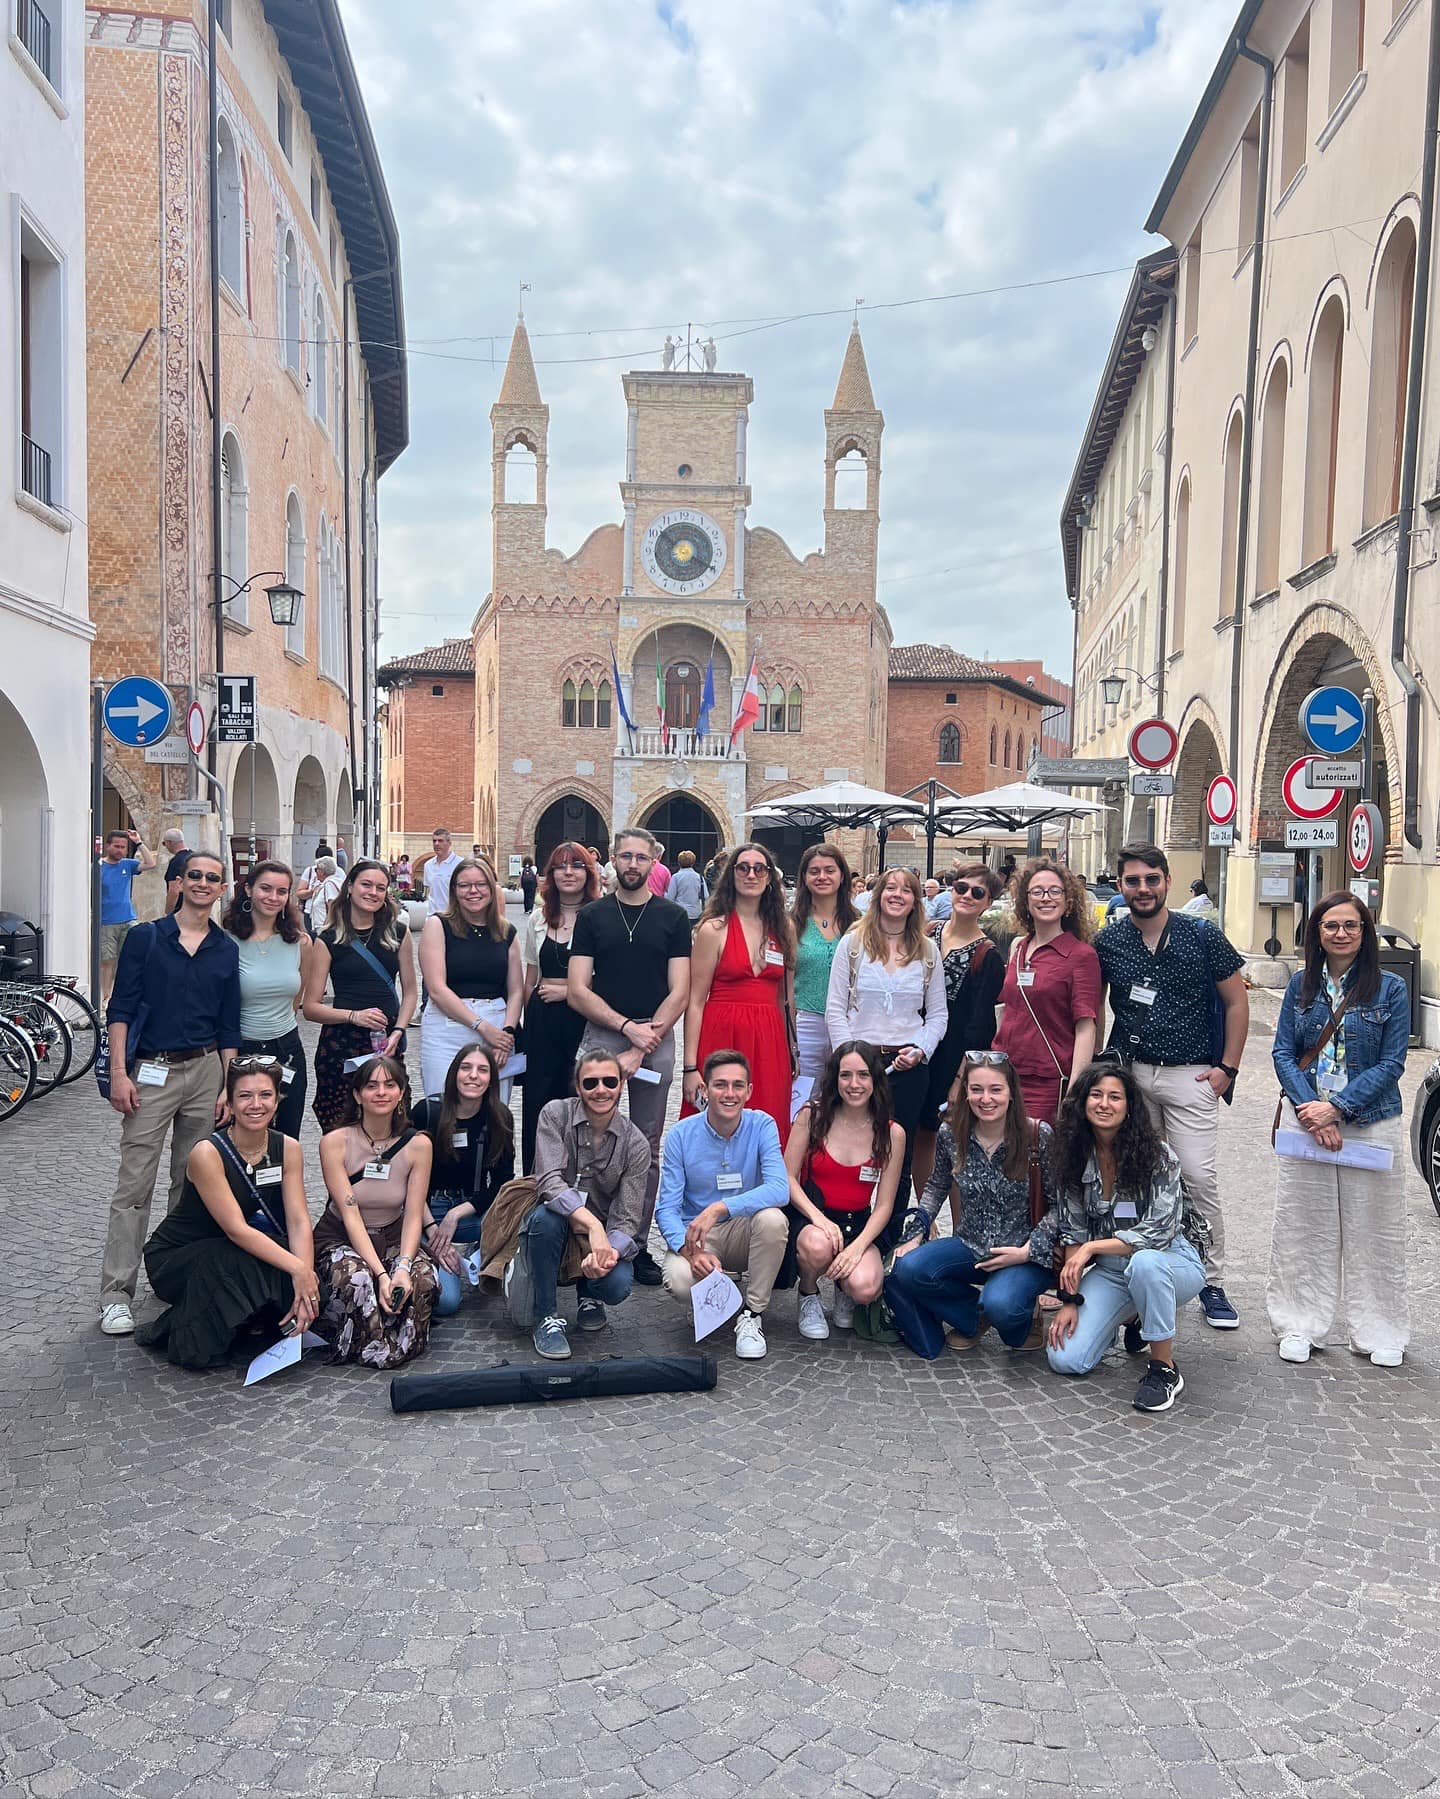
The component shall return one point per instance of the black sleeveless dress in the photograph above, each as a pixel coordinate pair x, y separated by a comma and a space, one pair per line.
214, 1289
552, 1041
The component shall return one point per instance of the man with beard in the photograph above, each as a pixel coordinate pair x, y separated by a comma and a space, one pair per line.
1164, 972
629, 978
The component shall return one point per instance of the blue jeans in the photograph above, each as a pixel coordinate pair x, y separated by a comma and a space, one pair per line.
1151, 1283
452, 1286
939, 1283
548, 1235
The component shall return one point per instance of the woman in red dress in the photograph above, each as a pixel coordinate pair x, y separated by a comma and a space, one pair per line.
742, 971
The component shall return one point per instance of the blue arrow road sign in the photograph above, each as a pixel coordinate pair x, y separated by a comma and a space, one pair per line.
137, 711
1333, 719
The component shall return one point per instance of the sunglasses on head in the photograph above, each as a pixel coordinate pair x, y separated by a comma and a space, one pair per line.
243, 1064
986, 1058
589, 1082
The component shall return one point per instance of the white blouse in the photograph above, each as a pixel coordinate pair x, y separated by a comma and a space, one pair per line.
888, 1002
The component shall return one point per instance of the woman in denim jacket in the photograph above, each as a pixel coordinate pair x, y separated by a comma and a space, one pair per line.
1333, 1221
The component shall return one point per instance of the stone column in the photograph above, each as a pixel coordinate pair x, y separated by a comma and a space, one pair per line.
741, 421
627, 554
632, 425
739, 556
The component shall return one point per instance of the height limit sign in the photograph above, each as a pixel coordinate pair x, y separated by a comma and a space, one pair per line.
235, 717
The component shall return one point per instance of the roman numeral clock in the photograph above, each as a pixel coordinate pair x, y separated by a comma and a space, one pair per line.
683, 551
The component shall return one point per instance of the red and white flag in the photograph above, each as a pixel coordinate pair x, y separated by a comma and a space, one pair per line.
749, 704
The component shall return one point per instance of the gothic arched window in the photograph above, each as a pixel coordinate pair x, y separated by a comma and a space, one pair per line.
602, 706
994, 745
567, 704
587, 703
950, 743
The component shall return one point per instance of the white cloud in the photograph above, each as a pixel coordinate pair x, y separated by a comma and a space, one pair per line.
727, 160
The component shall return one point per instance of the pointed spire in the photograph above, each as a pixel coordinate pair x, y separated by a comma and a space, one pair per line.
520, 387
852, 391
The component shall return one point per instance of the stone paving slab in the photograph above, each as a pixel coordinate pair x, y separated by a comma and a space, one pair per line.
844, 1572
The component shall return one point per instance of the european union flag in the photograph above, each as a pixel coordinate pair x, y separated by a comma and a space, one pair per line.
707, 698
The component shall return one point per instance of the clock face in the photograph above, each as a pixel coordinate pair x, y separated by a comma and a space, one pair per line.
683, 551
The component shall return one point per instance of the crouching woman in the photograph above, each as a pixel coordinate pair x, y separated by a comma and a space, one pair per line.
236, 1254
1122, 1213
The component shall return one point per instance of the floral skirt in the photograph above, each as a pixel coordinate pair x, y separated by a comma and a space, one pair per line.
350, 1312
338, 1044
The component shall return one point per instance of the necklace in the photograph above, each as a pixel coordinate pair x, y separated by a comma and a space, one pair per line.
639, 912
389, 1137
824, 925
249, 1159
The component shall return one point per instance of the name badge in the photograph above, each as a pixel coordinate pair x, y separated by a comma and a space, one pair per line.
1025, 977
152, 1074
1142, 994
774, 959
286, 1076
869, 1176
1125, 1212
1332, 1081
376, 1171
461, 1139
728, 1183
269, 1177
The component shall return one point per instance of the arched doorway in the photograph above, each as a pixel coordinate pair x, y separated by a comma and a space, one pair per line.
682, 823
569, 819
24, 797
1188, 834
310, 813
254, 807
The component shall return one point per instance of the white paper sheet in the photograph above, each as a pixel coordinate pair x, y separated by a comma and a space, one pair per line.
646, 1074
1302, 1147
284, 1354
800, 1090
713, 1300
513, 1068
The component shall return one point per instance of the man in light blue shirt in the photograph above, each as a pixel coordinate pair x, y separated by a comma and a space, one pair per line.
937, 903
723, 1193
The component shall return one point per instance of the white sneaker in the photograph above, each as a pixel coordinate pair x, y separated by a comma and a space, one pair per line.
1387, 1358
749, 1337
117, 1320
812, 1317
844, 1313
1294, 1349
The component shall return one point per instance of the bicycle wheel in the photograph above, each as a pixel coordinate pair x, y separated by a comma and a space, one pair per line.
84, 1023
47, 1031
17, 1070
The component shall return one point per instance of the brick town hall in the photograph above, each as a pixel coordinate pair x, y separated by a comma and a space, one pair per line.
679, 577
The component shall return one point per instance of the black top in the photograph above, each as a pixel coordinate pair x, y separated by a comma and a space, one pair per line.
631, 973
476, 966
192, 1220
353, 982
972, 987
1177, 1029
529, 881
183, 1001
458, 1174
175, 866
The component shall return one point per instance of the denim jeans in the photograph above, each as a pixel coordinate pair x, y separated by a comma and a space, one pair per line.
548, 1235
939, 1283
1150, 1283
452, 1286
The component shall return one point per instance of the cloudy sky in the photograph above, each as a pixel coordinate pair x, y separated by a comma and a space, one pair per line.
756, 166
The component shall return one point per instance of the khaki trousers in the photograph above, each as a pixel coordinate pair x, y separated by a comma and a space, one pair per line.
187, 1103
753, 1247
1186, 1112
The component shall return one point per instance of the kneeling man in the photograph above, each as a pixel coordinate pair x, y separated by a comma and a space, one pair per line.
723, 1192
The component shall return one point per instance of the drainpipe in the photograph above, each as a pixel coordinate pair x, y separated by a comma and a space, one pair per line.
362, 804
217, 593
1162, 616
1410, 449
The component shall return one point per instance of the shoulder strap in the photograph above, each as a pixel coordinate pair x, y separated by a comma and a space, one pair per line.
230, 1154
1312, 1055
1037, 1179
373, 962
1024, 994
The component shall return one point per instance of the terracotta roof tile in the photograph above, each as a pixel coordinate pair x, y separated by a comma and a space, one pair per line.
456, 656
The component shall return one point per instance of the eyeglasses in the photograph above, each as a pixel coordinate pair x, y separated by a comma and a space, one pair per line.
589, 1082
986, 1058
1047, 893
1341, 927
473, 887
1151, 880
562, 867
752, 868
634, 856
198, 874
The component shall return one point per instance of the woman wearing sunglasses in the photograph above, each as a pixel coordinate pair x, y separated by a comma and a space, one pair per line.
1051, 992
742, 972
236, 1254
1341, 1229
974, 971
591, 1167
552, 1028
472, 1136
991, 1162
274, 960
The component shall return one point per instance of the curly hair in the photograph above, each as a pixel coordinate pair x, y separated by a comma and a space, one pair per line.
772, 902
1139, 1151
846, 911
1077, 901
827, 1101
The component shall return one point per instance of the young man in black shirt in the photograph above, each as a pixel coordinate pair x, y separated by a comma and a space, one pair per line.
629, 978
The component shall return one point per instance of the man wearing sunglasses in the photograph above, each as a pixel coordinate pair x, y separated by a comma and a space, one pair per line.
591, 1169
174, 1023
1171, 978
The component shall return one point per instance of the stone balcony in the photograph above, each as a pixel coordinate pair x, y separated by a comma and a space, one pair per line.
683, 746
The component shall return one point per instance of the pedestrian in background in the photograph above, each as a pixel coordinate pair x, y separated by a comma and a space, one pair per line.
1051, 991
118, 869
473, 975
659, 873
687, 888
1181, 1013
173, 842
529, 881
328, 881
1339, 1053
435, 868
822, 912
274, 958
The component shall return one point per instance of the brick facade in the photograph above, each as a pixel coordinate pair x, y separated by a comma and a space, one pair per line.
429, 742
933, 688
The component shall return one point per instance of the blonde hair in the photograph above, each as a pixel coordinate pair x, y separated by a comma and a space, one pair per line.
874, 943
495, 921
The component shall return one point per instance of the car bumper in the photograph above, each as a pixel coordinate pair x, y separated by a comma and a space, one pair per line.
1428, 1087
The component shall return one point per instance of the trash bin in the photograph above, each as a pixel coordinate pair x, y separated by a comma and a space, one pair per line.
25, 942
1401, 955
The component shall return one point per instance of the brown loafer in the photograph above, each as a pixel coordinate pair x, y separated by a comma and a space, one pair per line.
953, 1339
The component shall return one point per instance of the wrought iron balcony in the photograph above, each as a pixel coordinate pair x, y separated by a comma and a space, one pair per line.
35, 470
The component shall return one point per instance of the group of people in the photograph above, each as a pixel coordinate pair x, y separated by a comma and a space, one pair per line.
845, 1075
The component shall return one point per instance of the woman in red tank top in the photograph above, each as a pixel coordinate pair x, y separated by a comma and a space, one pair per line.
844, 1156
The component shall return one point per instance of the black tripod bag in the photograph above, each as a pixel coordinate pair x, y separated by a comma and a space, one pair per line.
507, 1385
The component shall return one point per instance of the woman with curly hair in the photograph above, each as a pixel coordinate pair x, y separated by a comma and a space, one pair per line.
843, 1157
365, 955
741, 983
1123, 1221
823, 912
1051, 991
553, 1029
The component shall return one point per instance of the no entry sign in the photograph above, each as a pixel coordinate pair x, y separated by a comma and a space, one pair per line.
1153, 743
1220, 800
1304, 801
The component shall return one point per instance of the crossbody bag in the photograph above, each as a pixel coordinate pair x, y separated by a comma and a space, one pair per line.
263, 1216
1309, 1059
1024, 994
390, 1006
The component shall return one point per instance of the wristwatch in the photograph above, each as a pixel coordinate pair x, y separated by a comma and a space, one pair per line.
1234, 1073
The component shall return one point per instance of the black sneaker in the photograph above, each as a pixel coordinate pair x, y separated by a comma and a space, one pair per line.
1134, 1340
1220, 1315
1158, 1388
647, 1270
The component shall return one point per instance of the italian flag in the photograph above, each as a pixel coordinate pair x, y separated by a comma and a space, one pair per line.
660, 698
749, 704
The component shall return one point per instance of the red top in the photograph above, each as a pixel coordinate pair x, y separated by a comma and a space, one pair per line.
840, 1183
744, 1012
1065, 991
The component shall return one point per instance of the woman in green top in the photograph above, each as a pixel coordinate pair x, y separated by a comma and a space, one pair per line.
274, 960
823, 912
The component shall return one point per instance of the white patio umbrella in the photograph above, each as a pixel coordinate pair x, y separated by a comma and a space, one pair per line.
1013, 808
844, 805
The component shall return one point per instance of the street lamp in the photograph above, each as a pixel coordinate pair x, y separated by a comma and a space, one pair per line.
1112, 686
284, 596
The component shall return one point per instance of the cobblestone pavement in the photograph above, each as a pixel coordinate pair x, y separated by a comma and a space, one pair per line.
844, 1572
